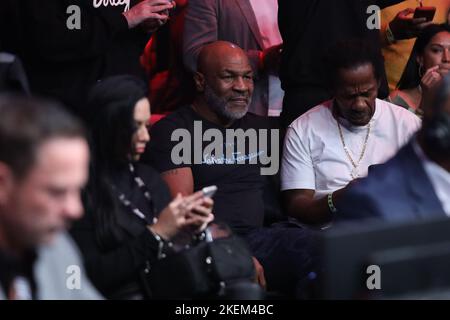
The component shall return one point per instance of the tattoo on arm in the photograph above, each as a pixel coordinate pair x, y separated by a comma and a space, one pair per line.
169, 173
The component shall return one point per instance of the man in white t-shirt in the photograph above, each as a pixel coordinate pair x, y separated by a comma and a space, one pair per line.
415, 183
336, 142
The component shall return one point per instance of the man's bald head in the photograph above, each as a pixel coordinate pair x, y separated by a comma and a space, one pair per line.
214, 52
224, 80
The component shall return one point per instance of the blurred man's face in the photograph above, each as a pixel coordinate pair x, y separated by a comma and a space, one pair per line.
36, 207
229, 86
356, 93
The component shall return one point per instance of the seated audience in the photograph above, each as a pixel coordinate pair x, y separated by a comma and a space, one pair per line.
415, 184
129, 211
224, 85
428, 63
43, 166
335, 142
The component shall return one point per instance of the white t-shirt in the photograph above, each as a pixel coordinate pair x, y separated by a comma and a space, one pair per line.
314, 157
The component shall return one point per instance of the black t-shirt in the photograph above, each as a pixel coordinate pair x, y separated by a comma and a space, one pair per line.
239, 199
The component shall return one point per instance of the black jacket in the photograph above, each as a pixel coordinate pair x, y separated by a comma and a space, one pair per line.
119, 271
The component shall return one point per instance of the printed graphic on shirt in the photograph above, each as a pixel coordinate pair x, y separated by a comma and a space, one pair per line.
236, 146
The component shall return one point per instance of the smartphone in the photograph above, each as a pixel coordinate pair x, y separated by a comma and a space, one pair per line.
209, 191
425, 12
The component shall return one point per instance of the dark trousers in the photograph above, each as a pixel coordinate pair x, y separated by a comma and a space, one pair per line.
289, 256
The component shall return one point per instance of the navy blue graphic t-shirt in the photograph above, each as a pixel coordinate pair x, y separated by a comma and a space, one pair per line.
235, 170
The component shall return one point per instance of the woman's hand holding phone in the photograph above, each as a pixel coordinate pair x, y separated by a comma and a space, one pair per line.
190, 213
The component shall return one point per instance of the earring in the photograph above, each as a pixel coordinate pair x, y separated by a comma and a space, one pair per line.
421, 73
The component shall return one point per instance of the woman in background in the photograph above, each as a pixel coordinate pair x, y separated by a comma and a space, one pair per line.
428, 63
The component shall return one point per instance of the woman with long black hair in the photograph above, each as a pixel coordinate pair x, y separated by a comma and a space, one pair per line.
130, 217
428, 63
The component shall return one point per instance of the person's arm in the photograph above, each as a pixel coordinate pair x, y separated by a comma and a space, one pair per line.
179, 180
298, 181
300, 204
260, 278
429, 83
158, 155
402, 27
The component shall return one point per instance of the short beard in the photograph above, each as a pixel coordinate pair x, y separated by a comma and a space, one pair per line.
219, 105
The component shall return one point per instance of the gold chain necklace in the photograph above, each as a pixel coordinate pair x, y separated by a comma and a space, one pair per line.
354, 173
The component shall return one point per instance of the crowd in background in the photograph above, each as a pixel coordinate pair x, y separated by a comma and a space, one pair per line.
96, 98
